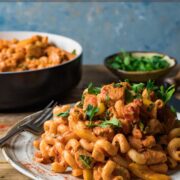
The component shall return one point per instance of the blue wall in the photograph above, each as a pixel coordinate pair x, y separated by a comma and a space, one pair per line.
101, 28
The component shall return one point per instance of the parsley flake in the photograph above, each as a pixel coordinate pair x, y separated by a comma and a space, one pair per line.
126, 80
91, 111
117, 85
86, 160
150, 86
114, 122
128, 96
141, 126
64, 114
107, 98
137, 88
91, 125
166, 94
173, 109
93, 90
74, 52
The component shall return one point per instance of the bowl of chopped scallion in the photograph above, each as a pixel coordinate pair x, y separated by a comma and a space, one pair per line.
140, 66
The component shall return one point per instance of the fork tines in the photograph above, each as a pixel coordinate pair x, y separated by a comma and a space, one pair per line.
45, 112
45, 116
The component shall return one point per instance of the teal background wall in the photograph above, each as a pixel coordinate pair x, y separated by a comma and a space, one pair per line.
102, 28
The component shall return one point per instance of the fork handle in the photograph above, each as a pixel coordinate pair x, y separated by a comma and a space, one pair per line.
10, 134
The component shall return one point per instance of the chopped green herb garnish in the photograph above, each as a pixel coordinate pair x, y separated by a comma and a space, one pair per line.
138, 96
93, 90
115, 123
128, 96
115, 85
141, 126
107, 98
173, 109
112, 122
86, 160
129, 62
91, 125
64, 114
91, 111
166, 94
126, 80
151, 86
137, 88
135, 92
74, 52
82, 98
107, 114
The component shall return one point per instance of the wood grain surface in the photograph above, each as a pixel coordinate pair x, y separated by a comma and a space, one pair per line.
97, 74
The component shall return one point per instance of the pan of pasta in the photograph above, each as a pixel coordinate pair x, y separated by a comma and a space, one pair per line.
36, 67
119, 131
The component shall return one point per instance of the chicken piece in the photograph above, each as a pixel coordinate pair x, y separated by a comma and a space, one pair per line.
107, 133
68, 55
119, 107
54, 54
33, 51
90, 99
57, 55
114, 93
112, 112
3, 44
131, 111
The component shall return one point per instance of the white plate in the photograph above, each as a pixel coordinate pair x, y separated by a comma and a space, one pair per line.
19, 153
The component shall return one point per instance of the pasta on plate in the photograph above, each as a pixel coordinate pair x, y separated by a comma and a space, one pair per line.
119, 131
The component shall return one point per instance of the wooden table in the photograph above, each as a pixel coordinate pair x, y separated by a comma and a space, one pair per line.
91, 73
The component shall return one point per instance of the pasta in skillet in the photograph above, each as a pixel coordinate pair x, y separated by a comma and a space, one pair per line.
33, 53
120, 131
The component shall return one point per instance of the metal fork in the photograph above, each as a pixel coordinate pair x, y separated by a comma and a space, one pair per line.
33, 125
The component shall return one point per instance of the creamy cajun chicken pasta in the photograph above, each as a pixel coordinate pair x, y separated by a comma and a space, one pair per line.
119, 131
30, 54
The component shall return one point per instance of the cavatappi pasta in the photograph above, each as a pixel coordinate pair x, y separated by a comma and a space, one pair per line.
120, 131
32, 53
